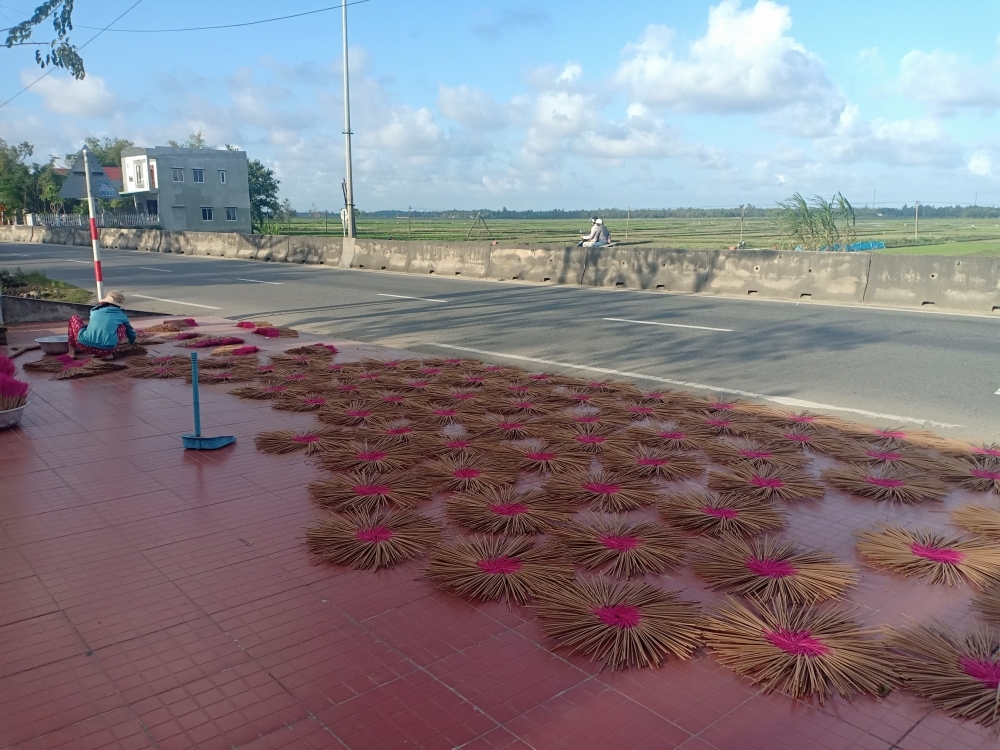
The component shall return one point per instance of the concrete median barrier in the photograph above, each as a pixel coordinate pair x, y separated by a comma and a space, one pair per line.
935, 282
381, 255
449, 260
558, 264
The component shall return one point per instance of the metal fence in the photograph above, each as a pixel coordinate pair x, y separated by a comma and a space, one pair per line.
104, 219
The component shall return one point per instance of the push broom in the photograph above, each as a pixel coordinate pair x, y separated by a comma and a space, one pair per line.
197, 441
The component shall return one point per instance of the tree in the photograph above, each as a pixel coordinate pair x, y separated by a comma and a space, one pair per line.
813, 225
264, 205
16, 184
195, 140
109, 151
62, 53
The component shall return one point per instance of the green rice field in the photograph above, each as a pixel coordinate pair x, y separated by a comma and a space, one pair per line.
936, 236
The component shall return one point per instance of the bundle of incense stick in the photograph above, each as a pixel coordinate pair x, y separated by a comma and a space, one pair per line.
469, 472
506, 510
979, 474
589, 438
800, 438
494, 568
765, 484
368, 491
288, 441
893, 437
632, 547
90, 369
544, 457
671, 436
958, 673
978, 519
273, 332
628, 624
988, 603
872, 455
605, 490
375, 455
886, 483
649, 461
236, 375
301, 402
509, 427
352, 413
260, 392
715, 515
802, 651
929, 554
161, 371
801, 420
323, 351
768, 569
371, 540
754, 454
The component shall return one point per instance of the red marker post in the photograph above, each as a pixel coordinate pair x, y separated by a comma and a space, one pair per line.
94, 238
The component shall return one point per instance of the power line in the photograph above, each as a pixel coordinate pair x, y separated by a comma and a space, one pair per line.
52, 67
230, 25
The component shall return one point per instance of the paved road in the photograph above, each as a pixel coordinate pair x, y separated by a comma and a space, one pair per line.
943, 370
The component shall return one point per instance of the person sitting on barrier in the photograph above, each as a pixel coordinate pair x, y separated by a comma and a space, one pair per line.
599, 235
107, 329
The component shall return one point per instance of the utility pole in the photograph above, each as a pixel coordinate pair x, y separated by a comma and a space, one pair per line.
95, 241
627, 217
916, 219
743, 212
351, 231
409, 229
873, 200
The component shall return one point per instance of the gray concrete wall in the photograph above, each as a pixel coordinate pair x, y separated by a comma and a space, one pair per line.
948, 283
21, 310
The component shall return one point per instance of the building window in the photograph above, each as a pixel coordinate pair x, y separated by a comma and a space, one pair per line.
198, 175
178, 174
140, 169
206, 213
230, 214
222, 176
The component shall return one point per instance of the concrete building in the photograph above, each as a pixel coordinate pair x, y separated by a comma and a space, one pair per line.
198, 189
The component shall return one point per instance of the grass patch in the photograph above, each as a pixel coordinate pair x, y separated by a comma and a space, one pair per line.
948, 248
36, 284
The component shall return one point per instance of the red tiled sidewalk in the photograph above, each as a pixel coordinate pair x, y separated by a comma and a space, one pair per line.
152, 597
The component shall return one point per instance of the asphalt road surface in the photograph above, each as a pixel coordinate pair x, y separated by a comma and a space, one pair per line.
937, 370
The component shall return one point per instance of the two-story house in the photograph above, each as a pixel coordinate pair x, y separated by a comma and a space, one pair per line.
196, 189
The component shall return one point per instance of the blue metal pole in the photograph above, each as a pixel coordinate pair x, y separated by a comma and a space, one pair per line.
194, 390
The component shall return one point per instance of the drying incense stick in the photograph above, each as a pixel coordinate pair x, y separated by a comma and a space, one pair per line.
605, 490
886, 483
369, 541
928, 554
506, 510
715, 515
288, 441
765, 484
367, 491
631, 547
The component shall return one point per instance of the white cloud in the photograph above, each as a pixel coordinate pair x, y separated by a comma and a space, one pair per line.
746, 62
897, 142
409, 133
981, 164
472, 107
946, 82
571, 73
68, 96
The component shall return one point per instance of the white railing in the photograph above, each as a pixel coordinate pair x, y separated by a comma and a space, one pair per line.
104, 219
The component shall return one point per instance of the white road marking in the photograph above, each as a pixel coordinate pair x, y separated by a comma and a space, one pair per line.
670, 325
997, 393
85, 262
147, 268
402, 296
783, 400
258, 281
174, 301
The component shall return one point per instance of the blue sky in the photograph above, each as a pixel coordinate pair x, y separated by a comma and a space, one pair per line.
552, 105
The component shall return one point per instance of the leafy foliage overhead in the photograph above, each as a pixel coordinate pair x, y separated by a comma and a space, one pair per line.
62, 53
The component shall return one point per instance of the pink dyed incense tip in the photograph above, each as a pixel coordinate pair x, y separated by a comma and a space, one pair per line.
242, 351
796, 642
601, 488
245, 324
523, 405
983, 474
652, 461
466, 473
619, 543
719, 512
590, 439
622, 616
987, 452
317, 401
458, 444
766, 482
360, 413
510, 425
981, 670
372, 489
939, 555
884, 482
770, 568
890, 434
374, 535
268, 333
305, 439
499, 566
507, 509
7, 366
445, 412
399, 431
675, 435
801, 418
641, 409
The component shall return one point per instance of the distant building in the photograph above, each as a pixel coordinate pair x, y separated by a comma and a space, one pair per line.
114, 175
198, 189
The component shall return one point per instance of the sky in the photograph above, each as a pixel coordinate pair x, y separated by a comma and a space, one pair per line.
548, 105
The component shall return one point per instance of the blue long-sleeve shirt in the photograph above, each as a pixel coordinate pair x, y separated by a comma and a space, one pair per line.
102, 328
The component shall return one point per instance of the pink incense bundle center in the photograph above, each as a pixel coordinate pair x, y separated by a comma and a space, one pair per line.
600, 488
507, 509
315, 401
374, 535
588, 419
891, 434
510, 425
942, 555
762, 566
499, 566
884, 482
796, 642
641, 409
541, 456
458, 444
305, 439
362, 413
467, 473
719, 512
766, 482
622, 616
981, 670
590, 439
995, 452
445, 413
371, 489
523, 405
399, 431
619, 543
652, 461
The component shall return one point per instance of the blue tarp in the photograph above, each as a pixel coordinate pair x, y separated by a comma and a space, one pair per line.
853, 248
